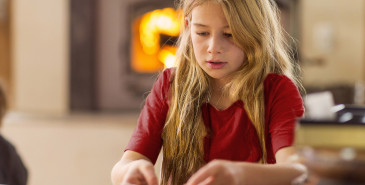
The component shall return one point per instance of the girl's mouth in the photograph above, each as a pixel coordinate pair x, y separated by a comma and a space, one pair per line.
216, 64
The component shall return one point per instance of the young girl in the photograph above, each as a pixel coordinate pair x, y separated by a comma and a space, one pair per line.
229, 106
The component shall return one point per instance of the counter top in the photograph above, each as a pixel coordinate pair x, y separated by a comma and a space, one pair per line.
333, 135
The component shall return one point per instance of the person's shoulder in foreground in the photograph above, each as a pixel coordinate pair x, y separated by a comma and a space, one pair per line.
12, 169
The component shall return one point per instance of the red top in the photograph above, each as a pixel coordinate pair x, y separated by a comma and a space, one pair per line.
233, 136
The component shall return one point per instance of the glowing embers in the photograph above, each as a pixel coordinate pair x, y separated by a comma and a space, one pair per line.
153, 38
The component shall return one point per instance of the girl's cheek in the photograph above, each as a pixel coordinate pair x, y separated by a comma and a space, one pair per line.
194, 38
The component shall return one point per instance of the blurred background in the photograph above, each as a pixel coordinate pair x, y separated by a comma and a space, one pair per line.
77, 72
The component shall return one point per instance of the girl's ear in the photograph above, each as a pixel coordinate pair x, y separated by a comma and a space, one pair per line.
187, 22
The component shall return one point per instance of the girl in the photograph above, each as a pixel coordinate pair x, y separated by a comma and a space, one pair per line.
228, 107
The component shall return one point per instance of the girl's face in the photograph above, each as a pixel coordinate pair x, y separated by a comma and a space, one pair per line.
212, 41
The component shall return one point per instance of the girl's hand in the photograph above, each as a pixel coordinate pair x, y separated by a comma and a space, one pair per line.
218, 172
140, 172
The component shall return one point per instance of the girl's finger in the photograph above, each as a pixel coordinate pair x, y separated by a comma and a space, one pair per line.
201, 176
134, 177
148, 173
208, 181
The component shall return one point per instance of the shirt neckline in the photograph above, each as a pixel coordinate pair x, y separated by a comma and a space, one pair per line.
234, 104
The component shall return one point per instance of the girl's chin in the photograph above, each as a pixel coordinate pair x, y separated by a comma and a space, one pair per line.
217, 76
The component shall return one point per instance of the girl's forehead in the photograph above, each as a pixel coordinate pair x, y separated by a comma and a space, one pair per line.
209, 12
208, 5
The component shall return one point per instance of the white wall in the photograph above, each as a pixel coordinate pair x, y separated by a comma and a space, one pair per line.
40, 56
334, 32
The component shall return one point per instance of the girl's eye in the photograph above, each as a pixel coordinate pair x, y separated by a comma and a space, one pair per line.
202, 33
227, 34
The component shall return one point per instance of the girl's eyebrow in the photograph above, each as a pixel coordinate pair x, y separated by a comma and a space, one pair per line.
205, 26
200, 25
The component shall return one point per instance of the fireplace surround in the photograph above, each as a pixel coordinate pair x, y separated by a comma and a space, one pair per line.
102, 77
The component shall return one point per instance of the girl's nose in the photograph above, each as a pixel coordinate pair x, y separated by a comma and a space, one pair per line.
215, 45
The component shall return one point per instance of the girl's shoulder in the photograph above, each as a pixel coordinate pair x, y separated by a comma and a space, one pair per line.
279, 82
276, 79
165, 77
275, 76
164, 81
281, 91
168, 73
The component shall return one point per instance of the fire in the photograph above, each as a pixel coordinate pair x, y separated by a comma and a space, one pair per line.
147, 53
167, 56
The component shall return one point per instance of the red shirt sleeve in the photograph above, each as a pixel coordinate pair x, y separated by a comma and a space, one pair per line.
146, 138
284, 106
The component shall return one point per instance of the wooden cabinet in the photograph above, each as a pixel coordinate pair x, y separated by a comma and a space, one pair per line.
4, 42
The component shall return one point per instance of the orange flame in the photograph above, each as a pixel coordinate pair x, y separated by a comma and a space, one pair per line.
147, 54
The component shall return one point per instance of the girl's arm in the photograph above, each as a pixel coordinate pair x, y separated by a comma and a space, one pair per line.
133, 168
227, 172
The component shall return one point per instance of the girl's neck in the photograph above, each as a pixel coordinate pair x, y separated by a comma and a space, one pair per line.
217, 88
218, 84
219, 98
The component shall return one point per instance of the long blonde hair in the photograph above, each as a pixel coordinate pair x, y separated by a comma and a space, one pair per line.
256, 30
